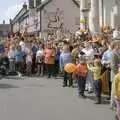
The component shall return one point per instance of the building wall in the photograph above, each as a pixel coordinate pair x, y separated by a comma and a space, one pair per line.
108, 11
111, 13
15, 27
5, 29
67, 12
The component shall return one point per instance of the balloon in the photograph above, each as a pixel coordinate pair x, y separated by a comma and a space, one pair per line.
70, 68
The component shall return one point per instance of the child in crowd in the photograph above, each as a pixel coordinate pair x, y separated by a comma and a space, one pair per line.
116, 92
96, 69
81, 74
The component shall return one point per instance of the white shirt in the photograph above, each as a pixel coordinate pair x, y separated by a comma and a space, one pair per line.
116, 34
89, 53
39, 53
22, 44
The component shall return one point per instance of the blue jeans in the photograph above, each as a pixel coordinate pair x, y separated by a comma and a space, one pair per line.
98, 88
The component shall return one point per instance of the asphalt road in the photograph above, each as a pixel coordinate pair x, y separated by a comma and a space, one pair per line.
43, 99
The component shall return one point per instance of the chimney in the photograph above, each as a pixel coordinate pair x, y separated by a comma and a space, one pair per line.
3, 21
10, 21
38, 2
25, 6
31, 4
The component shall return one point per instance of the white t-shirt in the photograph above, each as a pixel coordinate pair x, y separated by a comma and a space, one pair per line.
39, 56
116, 34
22, 44
39, 53
89, 53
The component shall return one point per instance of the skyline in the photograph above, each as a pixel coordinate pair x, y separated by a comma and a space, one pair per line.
9, 9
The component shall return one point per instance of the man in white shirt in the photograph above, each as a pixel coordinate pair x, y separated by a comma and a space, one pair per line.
89, 53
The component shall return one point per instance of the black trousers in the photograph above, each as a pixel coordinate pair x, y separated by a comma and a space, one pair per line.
81, 84
33, 63
56, 68
67, 77
19, 66
50, 69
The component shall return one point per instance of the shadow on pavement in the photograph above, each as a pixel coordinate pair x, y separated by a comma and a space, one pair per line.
104, 101
7, 86
11, 78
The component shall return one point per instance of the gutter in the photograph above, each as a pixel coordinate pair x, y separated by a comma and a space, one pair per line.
77, 4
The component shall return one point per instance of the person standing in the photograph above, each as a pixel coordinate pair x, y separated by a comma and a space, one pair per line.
19, 60
49, 59
81, 74
11, 56
96, 69
65, 58
116, 93
39, 60
106, 57
28, 59
34, 49
89, 53
115, 64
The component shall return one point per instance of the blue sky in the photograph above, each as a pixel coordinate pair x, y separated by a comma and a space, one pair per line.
9, 8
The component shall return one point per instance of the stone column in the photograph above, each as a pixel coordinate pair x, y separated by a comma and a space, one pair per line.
82, 17
94, 24
116, 16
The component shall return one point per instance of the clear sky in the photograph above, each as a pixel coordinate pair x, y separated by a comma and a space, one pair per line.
9, 8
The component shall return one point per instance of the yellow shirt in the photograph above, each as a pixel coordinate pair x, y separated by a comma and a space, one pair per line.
96, 72
116, 86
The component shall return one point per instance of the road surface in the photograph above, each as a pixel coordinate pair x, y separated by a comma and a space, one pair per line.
44, 99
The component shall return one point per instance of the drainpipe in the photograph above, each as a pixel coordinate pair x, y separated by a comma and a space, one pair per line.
40, 22
102, 2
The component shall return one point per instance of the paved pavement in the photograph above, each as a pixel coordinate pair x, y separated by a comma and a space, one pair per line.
43, 99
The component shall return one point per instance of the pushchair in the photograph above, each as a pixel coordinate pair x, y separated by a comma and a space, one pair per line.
4, 65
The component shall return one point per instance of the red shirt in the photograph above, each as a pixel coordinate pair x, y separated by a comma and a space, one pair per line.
81, 69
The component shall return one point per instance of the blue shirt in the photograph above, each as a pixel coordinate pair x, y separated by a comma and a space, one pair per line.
19, 56
2, 48
34, 49
65, 58
107, 55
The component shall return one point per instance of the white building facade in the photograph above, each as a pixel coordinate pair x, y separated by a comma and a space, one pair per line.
51, 15
104, 13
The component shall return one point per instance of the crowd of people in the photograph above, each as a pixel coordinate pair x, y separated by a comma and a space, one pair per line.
97, 60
